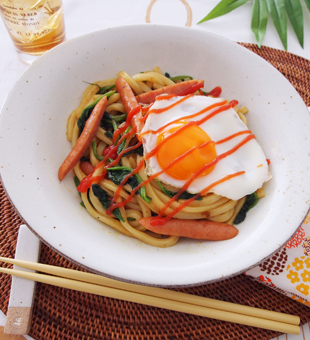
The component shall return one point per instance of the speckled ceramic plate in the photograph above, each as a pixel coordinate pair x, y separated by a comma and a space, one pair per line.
33, 145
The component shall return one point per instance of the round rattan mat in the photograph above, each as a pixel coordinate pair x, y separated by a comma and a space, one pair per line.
64, 314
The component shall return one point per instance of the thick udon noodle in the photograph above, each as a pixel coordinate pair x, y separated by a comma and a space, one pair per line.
212, 207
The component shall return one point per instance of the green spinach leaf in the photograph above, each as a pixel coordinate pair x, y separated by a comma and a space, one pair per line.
77, 183
130, 219
102, 89
122, 145
118, 173
180, 78
184, 196
138, 151
107, 122
84, 159
94, 147
109, 134
250, 202
119, 118
105, 200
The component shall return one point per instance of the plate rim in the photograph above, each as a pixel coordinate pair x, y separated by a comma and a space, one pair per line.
79, 263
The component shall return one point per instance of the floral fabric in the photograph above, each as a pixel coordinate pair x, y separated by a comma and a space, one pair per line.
288, 270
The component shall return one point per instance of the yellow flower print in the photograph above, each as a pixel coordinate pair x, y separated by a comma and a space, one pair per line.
293, 276
303, 289
307, 219
298, 264
305, 276
307, 262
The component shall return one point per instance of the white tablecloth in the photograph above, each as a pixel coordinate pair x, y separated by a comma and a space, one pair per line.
83, 16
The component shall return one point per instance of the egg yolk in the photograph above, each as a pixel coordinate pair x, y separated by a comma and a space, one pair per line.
178, 145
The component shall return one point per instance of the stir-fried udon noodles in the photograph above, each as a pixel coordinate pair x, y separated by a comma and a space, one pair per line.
113, 177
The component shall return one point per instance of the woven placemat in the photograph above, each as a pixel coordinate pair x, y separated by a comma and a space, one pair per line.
64, 314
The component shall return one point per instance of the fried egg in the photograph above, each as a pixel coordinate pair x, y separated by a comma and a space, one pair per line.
202, 143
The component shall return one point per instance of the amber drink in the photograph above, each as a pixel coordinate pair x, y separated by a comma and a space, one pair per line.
34, 26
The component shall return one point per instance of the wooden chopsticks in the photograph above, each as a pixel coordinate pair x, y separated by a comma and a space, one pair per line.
156, 297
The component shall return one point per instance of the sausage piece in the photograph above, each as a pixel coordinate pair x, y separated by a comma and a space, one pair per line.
86, 137
87, 168
130, 102
196, 229
178, 89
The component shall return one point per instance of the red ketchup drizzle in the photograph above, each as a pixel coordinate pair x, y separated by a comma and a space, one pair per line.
134, 171
147, 156
164, 97
145, 111
87, 181
233, 136
221, 109
158, 219
216, 92
90, 179
114, 205
184, 118
128, 199
130, 115
170, 106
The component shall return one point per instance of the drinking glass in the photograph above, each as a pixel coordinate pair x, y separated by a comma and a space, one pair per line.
35, 26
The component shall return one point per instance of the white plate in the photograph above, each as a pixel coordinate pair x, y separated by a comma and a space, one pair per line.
33, 145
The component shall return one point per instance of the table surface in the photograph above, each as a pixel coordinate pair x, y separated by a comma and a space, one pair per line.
82, 17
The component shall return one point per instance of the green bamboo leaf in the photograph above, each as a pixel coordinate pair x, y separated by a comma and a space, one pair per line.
277, 11
259, 20
222, 8
294, 12
308, 4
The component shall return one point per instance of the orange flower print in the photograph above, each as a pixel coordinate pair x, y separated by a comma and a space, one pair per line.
305, 276
307, 262
298, 264
293, 276
303, 289
297, 239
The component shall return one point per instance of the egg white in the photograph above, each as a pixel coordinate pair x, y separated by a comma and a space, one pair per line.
249, 158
